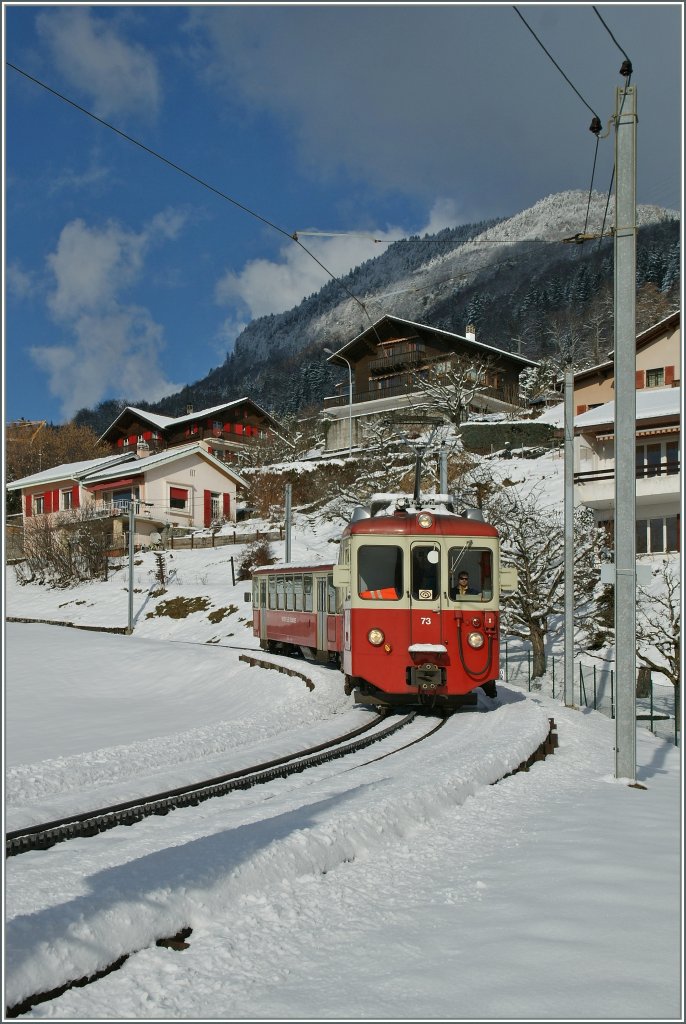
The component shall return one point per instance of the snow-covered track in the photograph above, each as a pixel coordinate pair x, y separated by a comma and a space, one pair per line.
89, 823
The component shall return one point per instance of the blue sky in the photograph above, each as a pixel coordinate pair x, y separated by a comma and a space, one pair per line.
124, 278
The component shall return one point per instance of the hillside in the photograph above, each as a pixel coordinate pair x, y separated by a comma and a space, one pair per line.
514, 279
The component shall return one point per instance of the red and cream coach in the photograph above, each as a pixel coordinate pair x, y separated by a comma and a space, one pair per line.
411, 609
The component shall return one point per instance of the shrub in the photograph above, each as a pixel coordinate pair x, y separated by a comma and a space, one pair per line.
256, 554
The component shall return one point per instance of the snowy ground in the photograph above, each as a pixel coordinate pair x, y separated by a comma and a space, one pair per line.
407, 888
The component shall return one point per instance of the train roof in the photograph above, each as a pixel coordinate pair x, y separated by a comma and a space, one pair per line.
405, 521
282, 567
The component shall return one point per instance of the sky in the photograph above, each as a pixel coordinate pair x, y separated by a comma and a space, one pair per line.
408, 888
125, 278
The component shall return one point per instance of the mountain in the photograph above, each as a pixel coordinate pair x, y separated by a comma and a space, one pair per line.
516, 279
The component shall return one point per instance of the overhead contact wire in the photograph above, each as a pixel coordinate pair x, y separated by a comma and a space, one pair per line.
292, 236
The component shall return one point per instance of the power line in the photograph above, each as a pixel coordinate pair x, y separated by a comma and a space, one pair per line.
292, 236
620, 48
516, 10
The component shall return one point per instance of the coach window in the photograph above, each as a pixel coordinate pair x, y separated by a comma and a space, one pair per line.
272, 591
380, 572
476, 564
307, 588
280, 593
290, 605
256, 593
298, 592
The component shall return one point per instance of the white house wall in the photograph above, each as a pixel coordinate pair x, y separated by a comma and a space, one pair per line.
191, 473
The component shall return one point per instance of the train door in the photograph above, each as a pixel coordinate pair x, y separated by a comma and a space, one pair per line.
321, 612
426, 620
263, 608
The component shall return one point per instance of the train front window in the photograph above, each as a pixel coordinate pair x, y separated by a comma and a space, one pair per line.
470, 573
426, 580
380, 572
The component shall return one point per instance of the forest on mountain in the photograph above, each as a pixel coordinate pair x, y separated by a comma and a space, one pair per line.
515, 280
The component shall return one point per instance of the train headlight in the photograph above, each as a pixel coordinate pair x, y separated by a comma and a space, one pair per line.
475, 639
375, 637
424, 520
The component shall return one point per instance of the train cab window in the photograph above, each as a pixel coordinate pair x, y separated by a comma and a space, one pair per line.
470, 574
272, 591
331, 596
298, 592
307, 595
280, 593
256, 593
426, 581
380, 572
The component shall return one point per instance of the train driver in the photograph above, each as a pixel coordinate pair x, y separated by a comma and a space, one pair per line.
463, 588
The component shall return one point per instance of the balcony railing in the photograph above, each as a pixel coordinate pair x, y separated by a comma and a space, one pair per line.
406, 389
642, 473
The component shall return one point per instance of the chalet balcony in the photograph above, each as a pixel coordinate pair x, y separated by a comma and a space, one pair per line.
597, 487
401, 356
334, 401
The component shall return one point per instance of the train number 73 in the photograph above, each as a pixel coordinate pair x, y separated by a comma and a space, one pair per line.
426, 620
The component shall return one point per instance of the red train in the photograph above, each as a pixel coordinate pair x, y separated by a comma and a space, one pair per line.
410, 612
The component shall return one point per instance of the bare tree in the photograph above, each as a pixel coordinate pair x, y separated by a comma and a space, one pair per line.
453, 385
67, 547
533, 541
658, 627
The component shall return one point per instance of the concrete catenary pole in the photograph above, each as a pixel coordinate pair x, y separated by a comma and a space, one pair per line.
443, 470
132, 528
569, 535
625, 431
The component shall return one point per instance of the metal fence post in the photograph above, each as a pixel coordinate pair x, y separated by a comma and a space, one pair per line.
612, 692
651, 705
595, 691
553, 661
528, 665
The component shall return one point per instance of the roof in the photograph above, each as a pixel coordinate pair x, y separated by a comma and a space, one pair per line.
110, 468
656, 403
162, 458
642, 339
433, 330
165, 422
71, 471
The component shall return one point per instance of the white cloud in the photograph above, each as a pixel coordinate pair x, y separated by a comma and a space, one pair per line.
272, 286
20, 283
118, 75
117, 345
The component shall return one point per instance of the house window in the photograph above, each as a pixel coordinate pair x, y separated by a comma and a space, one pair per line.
216, 506
178, 498
655, 378
38, 504
654, 536
67, 500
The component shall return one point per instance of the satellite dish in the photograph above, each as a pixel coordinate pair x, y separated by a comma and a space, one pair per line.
155, 537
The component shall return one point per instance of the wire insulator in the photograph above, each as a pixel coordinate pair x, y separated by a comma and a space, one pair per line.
626, 69
595, 126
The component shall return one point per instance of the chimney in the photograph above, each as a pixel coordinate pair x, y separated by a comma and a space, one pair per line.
189, 410
470, 332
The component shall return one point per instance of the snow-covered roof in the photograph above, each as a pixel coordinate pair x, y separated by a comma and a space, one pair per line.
161, 458
164, 422
650, 404
71, 471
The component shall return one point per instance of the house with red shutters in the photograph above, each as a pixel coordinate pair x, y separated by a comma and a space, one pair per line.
224, 428
658, 439
185, 486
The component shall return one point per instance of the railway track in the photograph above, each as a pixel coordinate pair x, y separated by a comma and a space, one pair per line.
278, 769
90, 823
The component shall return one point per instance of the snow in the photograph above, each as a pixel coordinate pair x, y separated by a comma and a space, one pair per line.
650, 404
399, 887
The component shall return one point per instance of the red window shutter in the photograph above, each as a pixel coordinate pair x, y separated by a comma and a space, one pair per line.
178, 492
147, 435
208, 507
120, 442
239, 428
75, 496
133, 438
227, 506
28, 505
55, 501
47, 502
580, 409
227, 428
669, 374
640, 379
